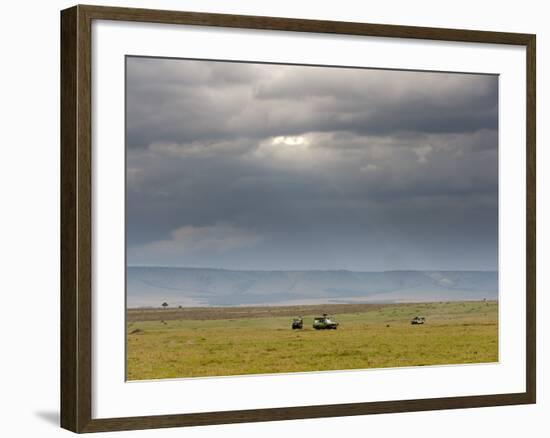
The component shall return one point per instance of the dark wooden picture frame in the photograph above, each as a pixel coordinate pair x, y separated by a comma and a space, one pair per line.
76, 218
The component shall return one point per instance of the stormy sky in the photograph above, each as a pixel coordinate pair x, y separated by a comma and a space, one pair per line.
279, 167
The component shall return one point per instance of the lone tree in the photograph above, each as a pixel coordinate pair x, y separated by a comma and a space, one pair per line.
165, 305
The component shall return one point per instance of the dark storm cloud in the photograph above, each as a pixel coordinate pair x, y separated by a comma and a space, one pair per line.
280, 167
186, 101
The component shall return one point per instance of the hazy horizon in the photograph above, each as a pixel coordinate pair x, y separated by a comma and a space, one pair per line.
308, 270
192, 287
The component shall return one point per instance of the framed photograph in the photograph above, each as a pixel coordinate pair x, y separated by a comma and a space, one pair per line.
272, 218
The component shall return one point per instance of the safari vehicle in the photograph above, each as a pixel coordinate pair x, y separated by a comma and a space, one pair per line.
418, 320
324, 323
297, 323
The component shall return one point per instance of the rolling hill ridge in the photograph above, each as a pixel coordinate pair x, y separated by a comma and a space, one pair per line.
150, 286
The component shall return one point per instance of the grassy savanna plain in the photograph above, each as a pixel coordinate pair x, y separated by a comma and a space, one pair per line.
198, 342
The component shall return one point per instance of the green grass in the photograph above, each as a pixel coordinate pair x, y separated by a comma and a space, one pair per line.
377, 336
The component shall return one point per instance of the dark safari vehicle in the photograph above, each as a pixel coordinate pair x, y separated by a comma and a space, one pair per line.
297, 323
